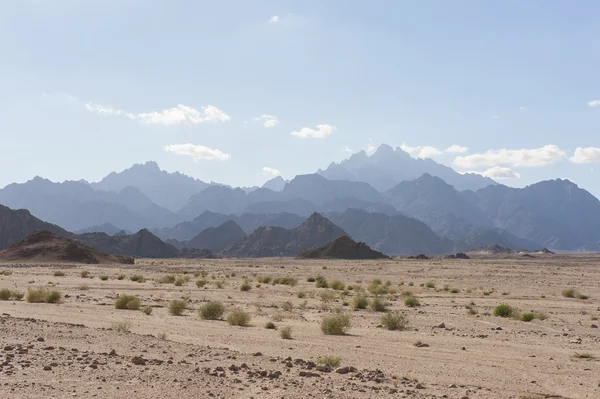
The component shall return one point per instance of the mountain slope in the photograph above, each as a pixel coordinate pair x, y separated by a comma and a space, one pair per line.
142, 244
277, 241
15, 225
168, 190
342, 248
215, 238
387, 167
45, 247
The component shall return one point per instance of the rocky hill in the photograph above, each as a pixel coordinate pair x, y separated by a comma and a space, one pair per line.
15, 225
215, 238
277, 241
46, 247
142, 244
342, 248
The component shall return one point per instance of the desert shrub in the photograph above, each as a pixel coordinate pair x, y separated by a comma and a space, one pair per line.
360, 302
336, 324
311, 279
527, 316
122, 326
278, 317
287, 306
5, 294
378, 305
301, 295
162, 335
103, 278
18, 295
59, 273
454, 290
180, 281
376, 288
264, 280
505, 310
201, 283
327, 296
212, 311
121, 277
219, 284
36, 296
168, 279
337, 285
129, 302
330, 361
52, 297
176, 307
137, 278
291, 281
569, 293
285, 332
411, 301
583, 356
83, 287
147, 310
238, 317
245, 286
394, 321
84, 274
5, 272
407, 293
582, 296
321, 282
430, 284
270, 326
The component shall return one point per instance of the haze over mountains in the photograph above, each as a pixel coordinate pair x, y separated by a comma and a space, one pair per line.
392, 202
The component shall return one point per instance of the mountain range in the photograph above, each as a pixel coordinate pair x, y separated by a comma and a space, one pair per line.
390, 201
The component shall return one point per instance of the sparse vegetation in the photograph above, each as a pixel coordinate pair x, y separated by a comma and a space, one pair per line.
42, 295
321, 282
331, 361
430, 284
360, 302
180, 282
394, 321
212, 311
285, 332
245, 286
201, 283
84, 274
291, 281
411, 301
583, 356
129, 302
162, 335
147, 310
527, 316
336, 324
569, 293
505, 310
287, 306
168, 279
103, 278
270, 326
59, 273
122, 326
5, 294
83, 287
239, 317
137, 278
337, 285
378, 305
176, 307
5, 272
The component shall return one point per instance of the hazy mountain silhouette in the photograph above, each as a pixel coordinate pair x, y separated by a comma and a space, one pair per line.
387, 167
107, 228
215, 238
277, 241
15, 225
142, 244
276, 184
168, 190
342, 248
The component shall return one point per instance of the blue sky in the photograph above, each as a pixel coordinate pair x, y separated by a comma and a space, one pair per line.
88, 87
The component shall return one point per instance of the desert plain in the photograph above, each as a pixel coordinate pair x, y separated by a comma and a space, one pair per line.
452, 346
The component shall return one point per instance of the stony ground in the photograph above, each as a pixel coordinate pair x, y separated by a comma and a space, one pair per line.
453, 346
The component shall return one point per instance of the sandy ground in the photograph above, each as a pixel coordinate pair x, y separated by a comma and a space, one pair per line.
72, 349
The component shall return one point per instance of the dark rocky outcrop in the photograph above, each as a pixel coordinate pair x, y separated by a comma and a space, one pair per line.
215, 238
142, 244
343, 248
15, 225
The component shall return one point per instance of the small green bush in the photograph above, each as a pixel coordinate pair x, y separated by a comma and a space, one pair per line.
311, 279
264, 280
360, 302
179, 282
201, 283
337, 285
378, 305
5, 294
103, 278
36, 296
176, 307
52, 297
59, 273
430, 284
321, 282
129, 302
238, 317
137, 278
527, 316
212, 311
270, 326
291, 281
287, 306
411, 302
121, 277
18, 295
84, 274
331, 361
505, 310
168, 279
285, 332
569, 293
336, 324
122, 326
245, 286
394, 321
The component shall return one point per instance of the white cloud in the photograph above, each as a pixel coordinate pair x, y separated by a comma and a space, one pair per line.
457, 149
179, 115
542, 156
345, 148
586, 155
501, 173
594, 103
271, 172
198, 152
371, 148
320, 132
421, 151
274, 19
268, 121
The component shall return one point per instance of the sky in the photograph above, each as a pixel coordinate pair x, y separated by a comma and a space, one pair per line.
240, 91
